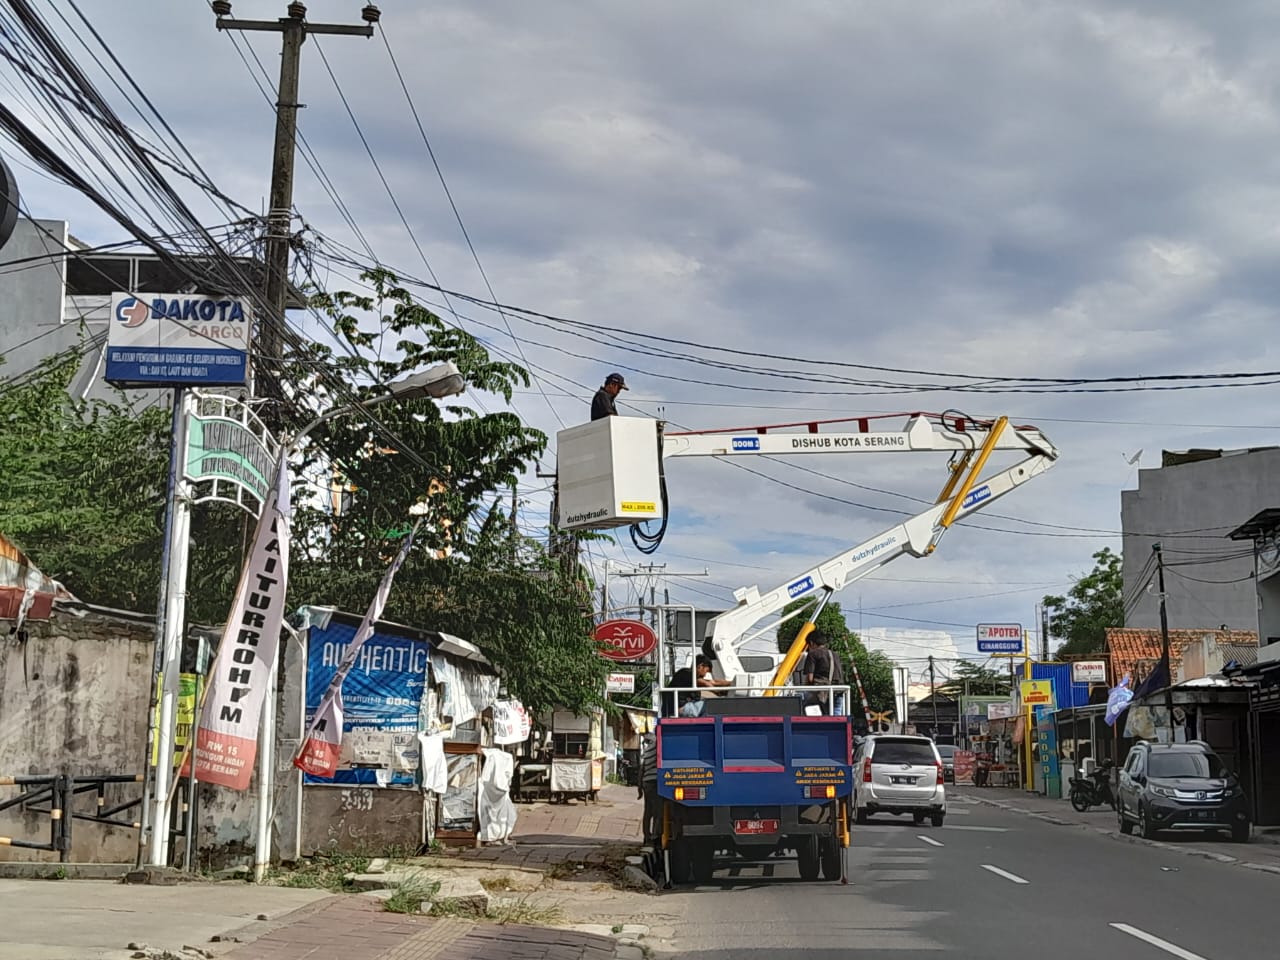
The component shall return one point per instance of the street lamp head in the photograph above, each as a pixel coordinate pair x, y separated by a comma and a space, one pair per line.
442, 380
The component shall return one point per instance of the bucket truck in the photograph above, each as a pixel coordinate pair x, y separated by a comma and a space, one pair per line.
753, 773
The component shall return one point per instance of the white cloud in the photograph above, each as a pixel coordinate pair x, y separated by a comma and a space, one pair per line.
983, 186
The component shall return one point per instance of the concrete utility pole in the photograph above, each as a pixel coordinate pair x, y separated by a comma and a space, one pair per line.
933, 696
294, 29
1164, 639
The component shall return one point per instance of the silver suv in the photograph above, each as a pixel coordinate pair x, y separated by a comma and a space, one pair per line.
899, 774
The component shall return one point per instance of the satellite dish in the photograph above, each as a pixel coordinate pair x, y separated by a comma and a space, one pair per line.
9, 200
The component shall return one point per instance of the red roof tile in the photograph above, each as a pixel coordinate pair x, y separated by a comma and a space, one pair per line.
1133, 651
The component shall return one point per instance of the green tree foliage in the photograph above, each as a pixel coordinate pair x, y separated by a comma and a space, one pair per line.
874, 667
977, 680
472, 575
83, 493
1080, 619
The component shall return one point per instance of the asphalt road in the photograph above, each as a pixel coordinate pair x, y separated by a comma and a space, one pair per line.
988, 884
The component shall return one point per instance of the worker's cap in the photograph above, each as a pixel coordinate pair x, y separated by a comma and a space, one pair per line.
616, 378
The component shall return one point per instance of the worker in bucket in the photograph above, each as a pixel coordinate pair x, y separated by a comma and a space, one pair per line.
602, 404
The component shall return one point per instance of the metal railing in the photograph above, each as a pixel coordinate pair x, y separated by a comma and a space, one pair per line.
838, 696
54, 794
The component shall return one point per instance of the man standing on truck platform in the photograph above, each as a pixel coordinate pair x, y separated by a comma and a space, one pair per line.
821, 669
687, 701
602, 404
648, 787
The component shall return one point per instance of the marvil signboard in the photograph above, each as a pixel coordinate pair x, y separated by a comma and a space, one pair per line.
177, 339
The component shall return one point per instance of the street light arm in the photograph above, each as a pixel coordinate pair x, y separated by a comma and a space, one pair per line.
437, 382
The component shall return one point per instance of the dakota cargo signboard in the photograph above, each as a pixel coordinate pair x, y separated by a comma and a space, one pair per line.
177, 339
1000, 638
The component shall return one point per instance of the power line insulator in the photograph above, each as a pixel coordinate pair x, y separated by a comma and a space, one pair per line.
371, 14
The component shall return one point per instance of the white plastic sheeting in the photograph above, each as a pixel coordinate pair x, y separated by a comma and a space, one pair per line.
467, 692
570, 776
497, 812
435, 768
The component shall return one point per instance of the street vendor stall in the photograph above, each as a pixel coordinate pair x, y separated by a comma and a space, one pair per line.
577, 755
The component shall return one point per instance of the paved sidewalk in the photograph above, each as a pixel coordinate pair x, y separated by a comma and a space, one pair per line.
581, 832
1261, 853
357, 928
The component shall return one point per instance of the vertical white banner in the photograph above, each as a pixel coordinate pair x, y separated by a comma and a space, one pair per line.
321, 747
227, 742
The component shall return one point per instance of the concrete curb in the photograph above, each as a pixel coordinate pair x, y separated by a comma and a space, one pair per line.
39, 870
1129, 838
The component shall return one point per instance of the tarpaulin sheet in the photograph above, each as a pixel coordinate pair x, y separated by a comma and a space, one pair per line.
497, 812
570, 776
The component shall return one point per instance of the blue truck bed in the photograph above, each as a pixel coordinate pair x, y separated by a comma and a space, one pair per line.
753, 787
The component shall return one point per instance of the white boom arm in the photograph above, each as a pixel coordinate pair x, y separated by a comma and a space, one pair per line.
916, 536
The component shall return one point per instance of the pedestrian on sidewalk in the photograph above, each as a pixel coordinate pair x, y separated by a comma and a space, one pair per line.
647, 788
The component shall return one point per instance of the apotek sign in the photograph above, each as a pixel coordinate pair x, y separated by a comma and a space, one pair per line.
625, 640
1000, 638
1089, 671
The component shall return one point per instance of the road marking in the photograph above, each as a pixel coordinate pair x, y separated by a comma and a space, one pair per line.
1155, 941
932, 842
956, 826
1011, 876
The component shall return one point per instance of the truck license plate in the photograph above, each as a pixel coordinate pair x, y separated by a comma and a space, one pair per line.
755, 826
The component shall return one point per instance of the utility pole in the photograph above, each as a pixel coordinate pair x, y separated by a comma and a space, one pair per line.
294, 29
1044, 633
1164, 639
933, 696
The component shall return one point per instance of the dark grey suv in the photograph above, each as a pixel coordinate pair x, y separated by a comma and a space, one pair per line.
1180, 786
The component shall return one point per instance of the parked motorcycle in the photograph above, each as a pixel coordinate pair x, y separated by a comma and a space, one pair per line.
1093, 790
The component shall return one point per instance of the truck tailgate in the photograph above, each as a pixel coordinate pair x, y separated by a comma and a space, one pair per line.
710, 761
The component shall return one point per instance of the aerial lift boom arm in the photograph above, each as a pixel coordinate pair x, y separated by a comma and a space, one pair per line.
965, 493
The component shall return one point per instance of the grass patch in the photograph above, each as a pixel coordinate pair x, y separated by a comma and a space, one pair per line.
410, 894
321, 873
524, 911
499, 884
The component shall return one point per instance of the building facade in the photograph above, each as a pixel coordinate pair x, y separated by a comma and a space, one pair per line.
1189, 506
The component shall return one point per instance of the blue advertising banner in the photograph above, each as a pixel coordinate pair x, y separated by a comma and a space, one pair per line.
381, 694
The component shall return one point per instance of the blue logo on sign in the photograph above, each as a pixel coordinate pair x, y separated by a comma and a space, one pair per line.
803, 585
977, 496
746, 443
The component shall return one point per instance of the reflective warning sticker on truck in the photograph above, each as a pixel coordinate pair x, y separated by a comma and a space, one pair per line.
688, 777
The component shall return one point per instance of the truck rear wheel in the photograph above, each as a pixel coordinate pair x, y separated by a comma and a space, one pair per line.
831, 851
679, 860
702, 859
807, 855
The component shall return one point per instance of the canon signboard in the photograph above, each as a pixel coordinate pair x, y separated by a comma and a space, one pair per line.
1000, 638
1089, 671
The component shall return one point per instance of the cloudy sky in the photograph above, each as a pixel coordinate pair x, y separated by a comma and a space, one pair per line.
979, 187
